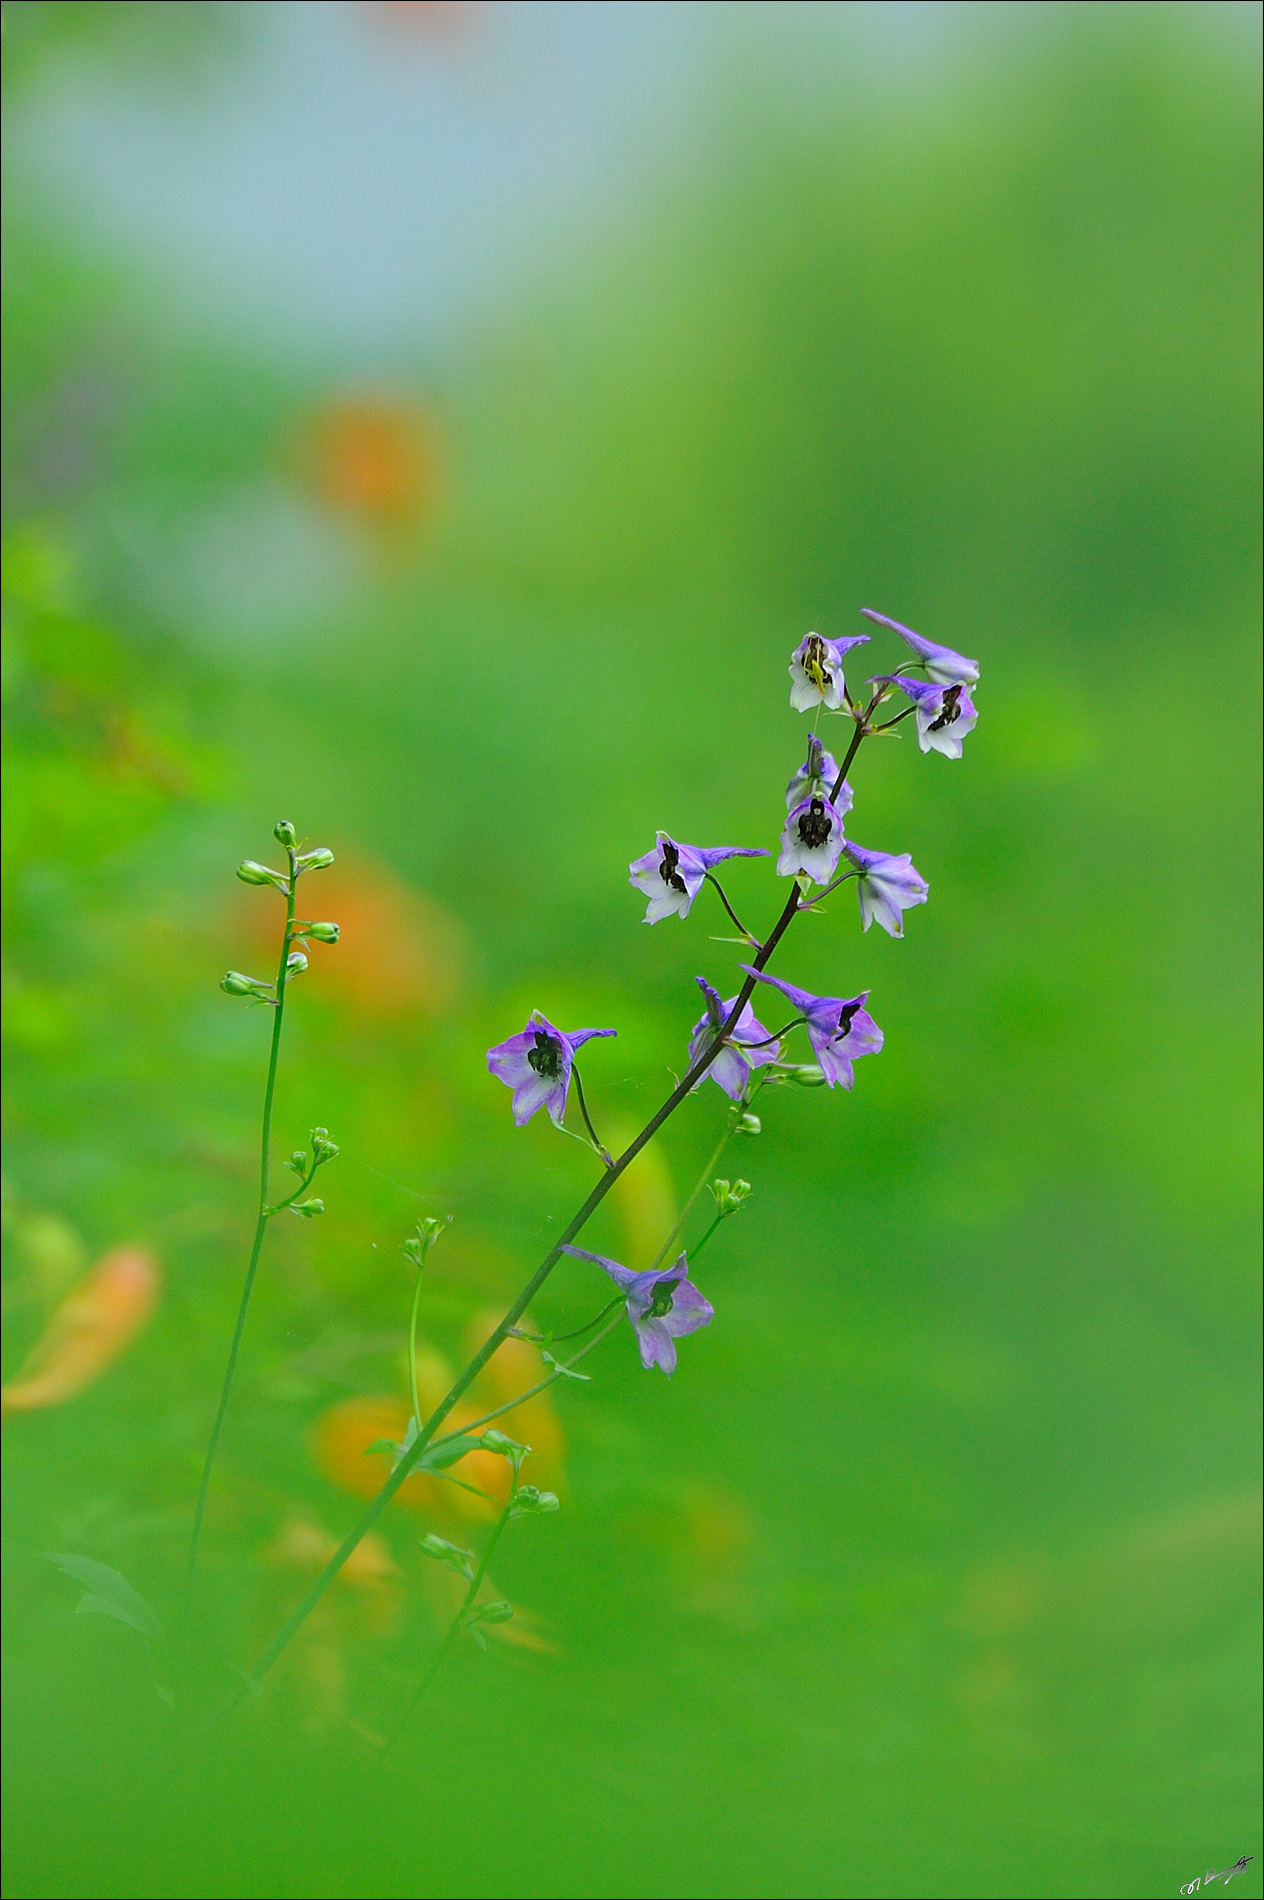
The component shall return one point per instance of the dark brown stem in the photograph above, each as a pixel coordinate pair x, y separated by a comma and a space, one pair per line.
576, 1224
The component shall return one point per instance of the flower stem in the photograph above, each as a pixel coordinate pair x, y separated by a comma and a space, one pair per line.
261, 1221
574, 1226
705, 1238
412, 1345
752, 940
476, 1583
730, 1123
598, 1144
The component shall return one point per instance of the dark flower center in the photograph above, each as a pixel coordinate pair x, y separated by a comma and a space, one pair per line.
661, 1304
815, 663
814, 824
546, 1057
845, 1015
668, 870
948, 710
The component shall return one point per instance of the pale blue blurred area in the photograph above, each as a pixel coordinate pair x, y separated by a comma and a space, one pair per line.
371, 191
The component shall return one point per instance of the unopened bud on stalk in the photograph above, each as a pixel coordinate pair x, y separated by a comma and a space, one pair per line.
504, 1447
323, 933
530, 1502
805, 1075
285, 834
235, 984
319, 860
322, 1147
251, 873
418, 1245
729, 1195
308, 1209
749, 1125
295, 964
297, 1163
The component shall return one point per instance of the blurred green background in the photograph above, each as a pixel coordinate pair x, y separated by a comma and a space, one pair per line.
437, 425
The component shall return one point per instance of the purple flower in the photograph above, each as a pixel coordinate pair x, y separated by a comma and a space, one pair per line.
816, 672
887, 885
811, 840
671, 874
839, 1028
536, 1065
732, 1067
942, 664
818, 773
945, 714
663, 1305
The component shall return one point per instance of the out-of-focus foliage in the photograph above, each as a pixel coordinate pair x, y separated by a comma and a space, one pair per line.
932, 1568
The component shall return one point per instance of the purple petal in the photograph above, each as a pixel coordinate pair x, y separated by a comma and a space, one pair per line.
944, 664
623, 1277
716, 854
658, 1348
691, 1311
578, 1037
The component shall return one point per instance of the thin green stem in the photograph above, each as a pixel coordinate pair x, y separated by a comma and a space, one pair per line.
597, 1143
574, 1226
695, 1251
752, 940
730, 1124
261, 1223
476, 1584
412, 1344
559, 1339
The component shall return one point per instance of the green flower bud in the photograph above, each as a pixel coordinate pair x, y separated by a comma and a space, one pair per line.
235, 984
322, 1148
295, 964
319, 860
530, 1502
308, 1209
504, 1447
450, 1554
488, 1613
720, 1188
285, 834
749, 1125
323, 933
805, 1075
251, 873
297, 1163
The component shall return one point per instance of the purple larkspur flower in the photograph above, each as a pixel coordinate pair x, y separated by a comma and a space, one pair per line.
811, 840
732, 1067
943, 665
663, 1305
887, 884
818, 773
536, 1065
816, 672
671, 874
840, 1028
945, 714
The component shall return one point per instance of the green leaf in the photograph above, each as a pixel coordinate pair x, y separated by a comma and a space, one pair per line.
108, 1594
446, 1452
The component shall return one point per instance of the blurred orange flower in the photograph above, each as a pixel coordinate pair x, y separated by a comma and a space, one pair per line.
91, 1327
342, 1435
375, 459
399, 951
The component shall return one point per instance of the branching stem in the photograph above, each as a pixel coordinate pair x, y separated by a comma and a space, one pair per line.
261, 1222
579, 1220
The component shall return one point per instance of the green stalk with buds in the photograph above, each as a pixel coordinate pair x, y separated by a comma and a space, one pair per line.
256, 990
